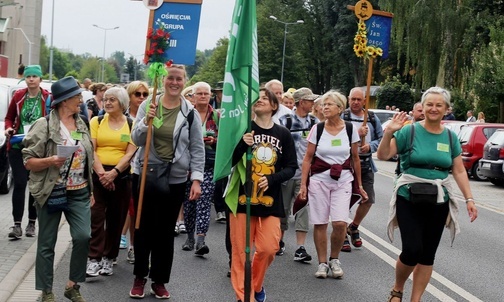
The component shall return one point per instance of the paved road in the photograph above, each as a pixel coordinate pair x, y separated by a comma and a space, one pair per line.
467, 271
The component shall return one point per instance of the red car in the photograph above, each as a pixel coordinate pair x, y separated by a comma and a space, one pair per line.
473, 137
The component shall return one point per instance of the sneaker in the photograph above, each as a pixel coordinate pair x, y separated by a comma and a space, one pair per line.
176, 232
16, 232
322, 271
260, 296
301, 255
124, 243
221, 217
281, 250
188, 245
346, 245
182, 228
107, 267
159, 291
73, 293
201, 249
93, 268
47, 297
30, 230
137, 291
131, 255
114, 261
355, 235
336, 270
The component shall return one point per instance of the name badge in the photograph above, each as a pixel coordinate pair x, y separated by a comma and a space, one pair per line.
443, 147
336, 142
76, 135
125, 138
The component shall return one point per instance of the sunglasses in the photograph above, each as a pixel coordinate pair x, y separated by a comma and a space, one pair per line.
139, 94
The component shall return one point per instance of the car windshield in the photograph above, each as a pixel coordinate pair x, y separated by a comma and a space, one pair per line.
465, 134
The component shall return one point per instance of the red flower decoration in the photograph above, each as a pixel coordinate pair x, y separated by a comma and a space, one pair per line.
159, 43
169, 63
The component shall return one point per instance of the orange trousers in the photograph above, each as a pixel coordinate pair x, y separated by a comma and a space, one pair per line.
264, 236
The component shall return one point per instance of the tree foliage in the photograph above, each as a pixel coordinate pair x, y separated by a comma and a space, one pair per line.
395, 93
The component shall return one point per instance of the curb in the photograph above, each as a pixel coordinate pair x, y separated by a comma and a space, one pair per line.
19, 284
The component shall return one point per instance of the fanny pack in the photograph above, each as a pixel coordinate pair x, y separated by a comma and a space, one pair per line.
423, 193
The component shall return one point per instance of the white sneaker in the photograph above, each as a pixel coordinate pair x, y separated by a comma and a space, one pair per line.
221, 217
322, 271
131, 255
93, 268
336, 270
107, 267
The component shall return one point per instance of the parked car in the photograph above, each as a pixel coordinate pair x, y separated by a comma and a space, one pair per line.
492, 163
473, 137
383, 115
7, 88
454, 126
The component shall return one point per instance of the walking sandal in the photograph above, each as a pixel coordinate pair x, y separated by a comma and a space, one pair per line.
395, 294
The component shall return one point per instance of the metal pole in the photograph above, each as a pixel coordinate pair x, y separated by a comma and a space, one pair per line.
29, 53
103, 61
283, 53
51, 47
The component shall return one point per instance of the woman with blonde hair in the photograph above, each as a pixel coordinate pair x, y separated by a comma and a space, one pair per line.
481, 117
330, 194
317, 109
288, 100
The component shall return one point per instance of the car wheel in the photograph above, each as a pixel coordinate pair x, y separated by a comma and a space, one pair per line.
6, 182
497, 181
476, 172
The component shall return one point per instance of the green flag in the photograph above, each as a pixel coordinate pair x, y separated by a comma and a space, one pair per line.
242, 68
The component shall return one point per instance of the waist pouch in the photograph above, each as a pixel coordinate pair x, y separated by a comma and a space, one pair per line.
423, 193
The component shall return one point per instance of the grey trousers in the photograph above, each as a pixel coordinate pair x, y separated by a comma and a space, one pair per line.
79, 219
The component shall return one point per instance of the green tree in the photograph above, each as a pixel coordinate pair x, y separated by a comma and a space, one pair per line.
91, 69
212, 70
395, 93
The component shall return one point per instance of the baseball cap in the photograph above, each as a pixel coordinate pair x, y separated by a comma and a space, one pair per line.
304, 94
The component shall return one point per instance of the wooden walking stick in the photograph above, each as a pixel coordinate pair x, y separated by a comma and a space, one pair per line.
157, 44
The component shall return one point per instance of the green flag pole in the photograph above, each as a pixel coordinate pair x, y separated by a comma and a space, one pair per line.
248, 192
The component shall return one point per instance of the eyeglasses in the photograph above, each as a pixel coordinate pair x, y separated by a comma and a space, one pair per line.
139, 94
189, 95
110, 100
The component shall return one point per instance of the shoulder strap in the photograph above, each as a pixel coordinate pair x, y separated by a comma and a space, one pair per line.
346, 115
312, 121
320, 130
130, 122
100, 119
349, 132
288, 121
215, 117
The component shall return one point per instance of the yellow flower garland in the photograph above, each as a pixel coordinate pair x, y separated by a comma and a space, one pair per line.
361, 48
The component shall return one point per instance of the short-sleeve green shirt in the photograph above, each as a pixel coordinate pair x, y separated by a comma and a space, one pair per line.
428, 149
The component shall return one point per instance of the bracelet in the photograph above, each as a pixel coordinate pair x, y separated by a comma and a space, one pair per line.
469, 199
117, 170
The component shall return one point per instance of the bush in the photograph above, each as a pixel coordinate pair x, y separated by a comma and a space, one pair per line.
395, 93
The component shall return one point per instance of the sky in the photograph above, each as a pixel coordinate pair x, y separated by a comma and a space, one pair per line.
74, 19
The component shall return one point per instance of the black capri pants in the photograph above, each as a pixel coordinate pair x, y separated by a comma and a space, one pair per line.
421, 227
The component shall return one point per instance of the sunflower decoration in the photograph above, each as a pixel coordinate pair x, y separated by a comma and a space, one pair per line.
159, 43
361, 49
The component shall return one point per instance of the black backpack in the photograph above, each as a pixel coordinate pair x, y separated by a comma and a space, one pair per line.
288, 123
371, 119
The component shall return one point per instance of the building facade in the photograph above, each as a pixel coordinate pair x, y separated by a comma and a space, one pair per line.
20, 31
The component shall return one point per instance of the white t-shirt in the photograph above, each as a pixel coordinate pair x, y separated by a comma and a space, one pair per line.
282, 110
333, 149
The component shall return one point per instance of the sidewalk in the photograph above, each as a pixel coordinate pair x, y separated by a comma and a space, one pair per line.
17, 258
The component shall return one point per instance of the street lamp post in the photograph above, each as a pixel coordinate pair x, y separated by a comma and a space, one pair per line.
104, 45
29, 43
285, 40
